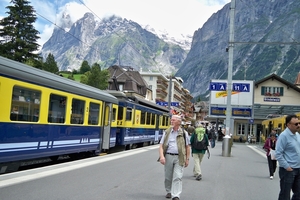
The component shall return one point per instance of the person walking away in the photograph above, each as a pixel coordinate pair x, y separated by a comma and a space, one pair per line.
174, 154
287, 154
198, 154
212, 137
270, 144
275, 132
220, 134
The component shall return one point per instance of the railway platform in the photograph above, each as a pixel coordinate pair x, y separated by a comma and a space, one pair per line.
136, 174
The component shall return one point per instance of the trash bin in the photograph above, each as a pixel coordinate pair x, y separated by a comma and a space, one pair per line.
226, 146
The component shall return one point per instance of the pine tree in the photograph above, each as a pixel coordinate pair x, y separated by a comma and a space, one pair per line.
85, 67
18, 37
96, 77
50, 64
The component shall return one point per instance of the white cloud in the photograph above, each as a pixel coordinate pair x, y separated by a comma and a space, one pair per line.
174, 16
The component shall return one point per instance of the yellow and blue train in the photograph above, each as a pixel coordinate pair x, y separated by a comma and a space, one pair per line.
277, 123
45, 115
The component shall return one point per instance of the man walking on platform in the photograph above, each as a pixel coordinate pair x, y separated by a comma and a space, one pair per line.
198, 154
174, 154
288, 156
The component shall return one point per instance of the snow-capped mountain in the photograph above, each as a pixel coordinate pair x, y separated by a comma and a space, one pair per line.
184, 41
112, 41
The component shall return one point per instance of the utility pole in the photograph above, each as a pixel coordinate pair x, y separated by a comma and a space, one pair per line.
170, 94
226, 145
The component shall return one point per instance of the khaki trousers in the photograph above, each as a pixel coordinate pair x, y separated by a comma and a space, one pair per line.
197, 160
173, 175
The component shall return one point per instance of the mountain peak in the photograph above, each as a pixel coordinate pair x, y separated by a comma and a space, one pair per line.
184, 41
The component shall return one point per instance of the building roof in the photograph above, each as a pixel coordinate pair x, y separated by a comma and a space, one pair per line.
297, 81
261, 111
131, 79
278, 78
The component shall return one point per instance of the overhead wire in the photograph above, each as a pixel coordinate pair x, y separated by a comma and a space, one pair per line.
65, 31
56, 25
111, 28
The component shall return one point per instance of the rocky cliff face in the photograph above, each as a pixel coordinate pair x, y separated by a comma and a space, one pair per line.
267, 35
112, 41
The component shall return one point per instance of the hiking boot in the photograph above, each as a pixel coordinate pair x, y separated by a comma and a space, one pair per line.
168, 196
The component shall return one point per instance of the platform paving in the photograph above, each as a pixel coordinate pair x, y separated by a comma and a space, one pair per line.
135, 174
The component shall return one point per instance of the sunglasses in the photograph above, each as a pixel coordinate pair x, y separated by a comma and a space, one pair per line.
296, 124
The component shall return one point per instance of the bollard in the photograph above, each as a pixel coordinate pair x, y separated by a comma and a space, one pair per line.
226, 146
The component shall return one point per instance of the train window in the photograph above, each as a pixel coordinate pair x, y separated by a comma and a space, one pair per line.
163, 120
167, 121
114, 113
128, 114
143, 117
94, 111
153, 119
120, 113
77, 115
106, 115
57, 109
148, 118
25, 104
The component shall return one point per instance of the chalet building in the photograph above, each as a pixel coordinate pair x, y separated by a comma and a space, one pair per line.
126, 80
201, 110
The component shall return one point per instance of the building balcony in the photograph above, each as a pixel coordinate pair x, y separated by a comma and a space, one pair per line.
177, 98
161, 84
161, 93
177, 89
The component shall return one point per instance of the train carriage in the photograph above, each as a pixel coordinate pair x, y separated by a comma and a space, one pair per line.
139, 122
45, 115
277, 123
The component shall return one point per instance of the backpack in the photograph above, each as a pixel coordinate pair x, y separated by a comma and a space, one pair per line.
199, 145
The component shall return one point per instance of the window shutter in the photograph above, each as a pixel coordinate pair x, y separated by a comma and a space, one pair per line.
262, 90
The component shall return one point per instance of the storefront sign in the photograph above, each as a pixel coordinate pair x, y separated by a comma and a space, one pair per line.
272, 99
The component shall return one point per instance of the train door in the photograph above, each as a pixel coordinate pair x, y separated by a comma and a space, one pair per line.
107, 115
157, 128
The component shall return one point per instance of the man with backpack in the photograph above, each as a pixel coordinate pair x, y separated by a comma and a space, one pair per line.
199, 143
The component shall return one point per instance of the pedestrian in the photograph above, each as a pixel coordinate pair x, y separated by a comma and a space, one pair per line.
198, 154
270, 144
212, 137
275, 132
174, 153
288, 156
220, 134
190, 131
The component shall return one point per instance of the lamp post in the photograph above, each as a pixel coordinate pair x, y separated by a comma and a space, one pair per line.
226, 145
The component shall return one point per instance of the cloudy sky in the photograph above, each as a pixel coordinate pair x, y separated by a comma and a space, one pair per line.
173, 16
